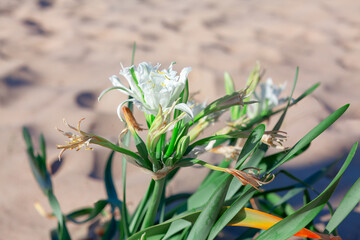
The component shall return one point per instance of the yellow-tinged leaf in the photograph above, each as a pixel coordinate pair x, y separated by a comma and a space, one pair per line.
255, 219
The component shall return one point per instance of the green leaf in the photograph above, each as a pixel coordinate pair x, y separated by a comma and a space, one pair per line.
280, 121
298, 220
176, 227
181, 148
109, 184
230, 213
113, 198
63, 233
162, 228
110, 230
42, 146
270, 161
133, 54
141, 147
27, 139
140, 210
251, 144
251, 83
91, 213
229, 84
208, 216
38, 163
229, 89
347, 204
125, 215
315, 132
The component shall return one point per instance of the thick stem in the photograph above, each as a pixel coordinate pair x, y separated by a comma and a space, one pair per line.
154, 204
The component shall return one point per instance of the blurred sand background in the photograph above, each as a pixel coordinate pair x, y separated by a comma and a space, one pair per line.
56, 57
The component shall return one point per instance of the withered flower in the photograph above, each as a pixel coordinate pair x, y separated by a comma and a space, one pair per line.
274, 139
250, 177
230, 152
77, 141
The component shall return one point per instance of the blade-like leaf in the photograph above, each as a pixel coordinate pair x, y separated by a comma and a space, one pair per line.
347, 204
229, 89
208, 216
109, 184
63, 233
176, 227
230, 213
296, 221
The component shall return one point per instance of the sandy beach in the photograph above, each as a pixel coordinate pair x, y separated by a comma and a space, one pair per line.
56, 57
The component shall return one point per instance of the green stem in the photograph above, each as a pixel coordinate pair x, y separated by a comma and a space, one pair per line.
154, 204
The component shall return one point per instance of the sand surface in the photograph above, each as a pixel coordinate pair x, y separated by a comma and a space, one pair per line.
56, 57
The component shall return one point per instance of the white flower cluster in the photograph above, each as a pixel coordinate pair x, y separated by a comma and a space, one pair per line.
151, 88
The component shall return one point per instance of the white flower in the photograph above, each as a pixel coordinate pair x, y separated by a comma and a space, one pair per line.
267, 98
151, 88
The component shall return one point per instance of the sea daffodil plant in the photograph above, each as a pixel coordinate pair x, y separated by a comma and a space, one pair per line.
174, 140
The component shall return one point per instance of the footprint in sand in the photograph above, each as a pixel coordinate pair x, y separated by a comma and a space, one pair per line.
86, 99
12, 81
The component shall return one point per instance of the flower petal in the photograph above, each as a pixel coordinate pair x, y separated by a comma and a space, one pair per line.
185, 108
124, 90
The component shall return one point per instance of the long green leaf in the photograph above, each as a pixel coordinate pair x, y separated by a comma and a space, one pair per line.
113, 198
63, 233
347, 204
141, 209
298, 220
163, 227
208, 216
230, 213
176, 227
109, 184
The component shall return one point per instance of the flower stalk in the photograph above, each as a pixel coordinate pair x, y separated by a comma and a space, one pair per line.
154, 203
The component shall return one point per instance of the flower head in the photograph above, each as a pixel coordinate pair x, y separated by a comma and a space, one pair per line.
151, 88
268, 98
